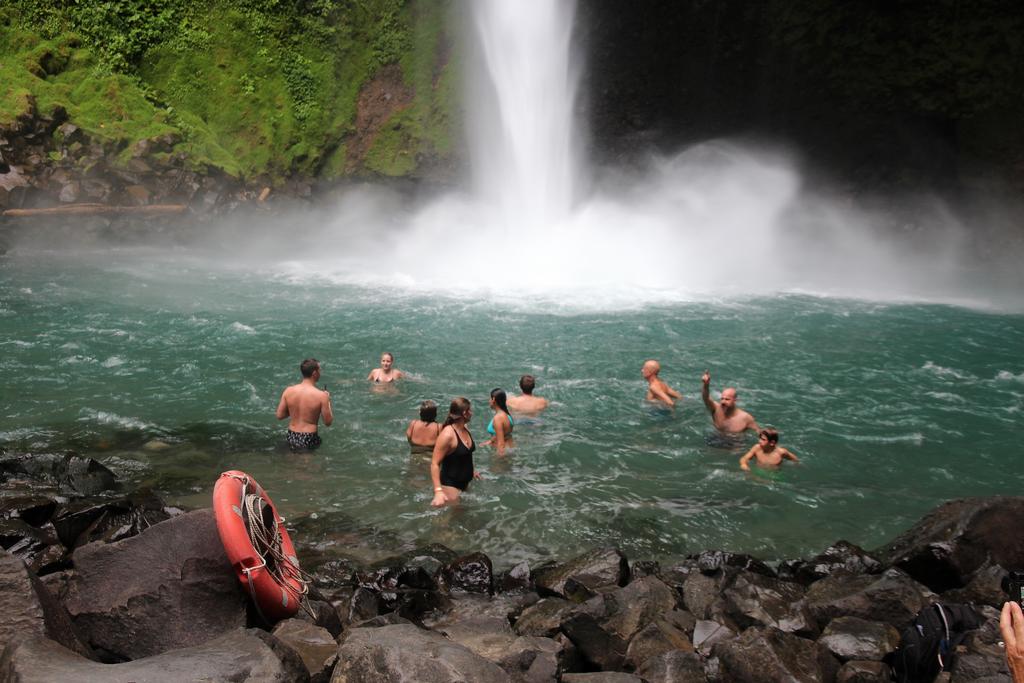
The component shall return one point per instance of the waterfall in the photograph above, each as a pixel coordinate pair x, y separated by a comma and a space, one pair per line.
523, 130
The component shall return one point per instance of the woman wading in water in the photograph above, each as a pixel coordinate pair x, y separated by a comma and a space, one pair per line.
422, 433
500, 426
451, 467
386, 373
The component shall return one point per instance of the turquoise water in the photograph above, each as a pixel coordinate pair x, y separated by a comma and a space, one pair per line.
167, 367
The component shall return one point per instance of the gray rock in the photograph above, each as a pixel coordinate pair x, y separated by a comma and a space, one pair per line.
841, 556
764, 654
167, 588
656, 638
857, 671
597, 569
544, 617
238, 656
673, 667
315, 646
957, 538
603, 631
701, 592
408, 653
753, 599
984, 588
525, 658
852, 638
891, 597
602, 677
706, 634
29, 609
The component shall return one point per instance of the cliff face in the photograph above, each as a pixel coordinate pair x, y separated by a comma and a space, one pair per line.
210, 101
906, 93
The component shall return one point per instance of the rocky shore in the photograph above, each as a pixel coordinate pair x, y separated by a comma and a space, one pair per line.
99, 584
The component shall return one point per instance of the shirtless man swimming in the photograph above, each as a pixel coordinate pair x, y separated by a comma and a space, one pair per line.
657, 390
305, 404
386, 373
526, 403
727, 417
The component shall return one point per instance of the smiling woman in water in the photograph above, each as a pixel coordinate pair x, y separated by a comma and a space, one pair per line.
386, 373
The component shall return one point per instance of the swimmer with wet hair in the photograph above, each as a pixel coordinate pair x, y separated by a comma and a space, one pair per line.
768, 452
526, 403
500, 426
657, 390
386, 373
422, 433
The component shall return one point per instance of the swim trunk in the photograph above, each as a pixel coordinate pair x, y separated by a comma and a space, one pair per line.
303, 441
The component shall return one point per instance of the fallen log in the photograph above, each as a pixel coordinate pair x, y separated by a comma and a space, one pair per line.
96, 209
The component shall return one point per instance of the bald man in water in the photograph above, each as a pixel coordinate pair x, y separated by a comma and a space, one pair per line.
657, 390
727, 417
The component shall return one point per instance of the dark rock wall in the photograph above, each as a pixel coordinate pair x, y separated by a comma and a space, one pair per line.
908, 92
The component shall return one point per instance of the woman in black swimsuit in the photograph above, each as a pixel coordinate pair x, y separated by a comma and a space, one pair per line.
451, 467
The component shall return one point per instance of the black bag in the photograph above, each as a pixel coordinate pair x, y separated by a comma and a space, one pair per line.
928, 644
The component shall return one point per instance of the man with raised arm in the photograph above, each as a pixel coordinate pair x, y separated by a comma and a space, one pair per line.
526, 403
305, 404
727, 417
657, 390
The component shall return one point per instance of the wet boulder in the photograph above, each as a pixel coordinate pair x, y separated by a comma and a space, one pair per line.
891, 597
516, 578
957, 538
711, 561
38, 547
82, 522
841, 556
33, 507
28, 608
407, 653
850, 638
167, 588
753, 599
471, 573
315, 646
603, 568
544, 617
240, 656
72, 473
702, 593
766, 654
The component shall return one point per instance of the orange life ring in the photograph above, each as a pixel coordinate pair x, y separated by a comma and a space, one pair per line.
275, 599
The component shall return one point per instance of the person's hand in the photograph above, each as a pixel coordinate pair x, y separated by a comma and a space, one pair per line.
706, 377
476, 475
439, 499
1011, 626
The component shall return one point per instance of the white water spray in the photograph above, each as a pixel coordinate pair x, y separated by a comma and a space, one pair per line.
716, 219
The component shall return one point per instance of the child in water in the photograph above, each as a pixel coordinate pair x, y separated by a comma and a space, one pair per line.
768, 452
